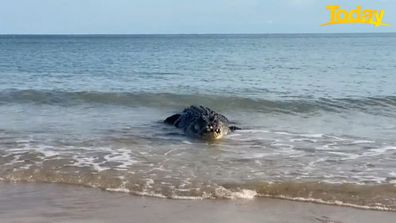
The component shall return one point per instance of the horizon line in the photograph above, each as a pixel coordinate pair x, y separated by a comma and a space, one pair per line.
121, 34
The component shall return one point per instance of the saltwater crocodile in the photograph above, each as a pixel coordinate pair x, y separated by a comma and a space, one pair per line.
201, 122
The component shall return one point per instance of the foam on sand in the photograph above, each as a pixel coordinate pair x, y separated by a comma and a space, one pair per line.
33, 203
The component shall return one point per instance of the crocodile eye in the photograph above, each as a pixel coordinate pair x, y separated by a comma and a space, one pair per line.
196, 127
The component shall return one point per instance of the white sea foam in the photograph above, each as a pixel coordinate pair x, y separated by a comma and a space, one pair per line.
253, 131
384, 149
303, 140
88, 162
122, 156
241, 194
362, 141
244, 194
141, 193
308, 135
282, 145
311, 165
178, 197
317, 135
283, 133
366, 178
149, 193
329, 146
345, 156
255, 155
121, 189
336, 202
379, 151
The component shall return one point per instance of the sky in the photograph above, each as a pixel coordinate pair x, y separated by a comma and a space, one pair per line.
182, 16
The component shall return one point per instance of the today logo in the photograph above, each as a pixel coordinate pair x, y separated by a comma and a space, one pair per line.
355, 16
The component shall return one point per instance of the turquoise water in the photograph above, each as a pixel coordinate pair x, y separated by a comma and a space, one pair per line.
317, 111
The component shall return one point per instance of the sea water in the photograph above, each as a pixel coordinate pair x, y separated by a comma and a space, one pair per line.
317, 112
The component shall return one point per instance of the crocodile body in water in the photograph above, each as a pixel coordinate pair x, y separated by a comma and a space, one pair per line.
201, 122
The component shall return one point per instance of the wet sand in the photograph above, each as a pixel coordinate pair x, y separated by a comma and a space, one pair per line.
41, 203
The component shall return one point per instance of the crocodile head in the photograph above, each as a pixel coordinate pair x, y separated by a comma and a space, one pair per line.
208, 128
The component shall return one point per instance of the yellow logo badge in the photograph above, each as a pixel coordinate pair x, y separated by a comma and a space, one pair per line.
355, 16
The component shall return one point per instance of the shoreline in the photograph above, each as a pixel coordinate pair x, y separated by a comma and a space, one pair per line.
43, 202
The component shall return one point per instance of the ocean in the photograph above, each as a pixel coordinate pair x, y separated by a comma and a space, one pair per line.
317, 112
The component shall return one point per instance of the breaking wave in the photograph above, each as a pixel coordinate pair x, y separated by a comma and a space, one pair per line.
386, 104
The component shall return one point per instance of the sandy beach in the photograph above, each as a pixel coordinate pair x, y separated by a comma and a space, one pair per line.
27, 202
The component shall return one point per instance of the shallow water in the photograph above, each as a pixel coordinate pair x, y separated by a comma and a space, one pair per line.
318, 114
